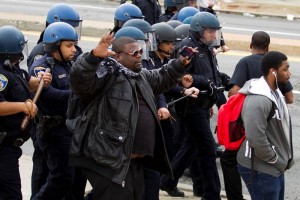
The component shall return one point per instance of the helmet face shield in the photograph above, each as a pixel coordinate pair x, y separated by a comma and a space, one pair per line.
152, 44
217, 41
144, 46
24, 45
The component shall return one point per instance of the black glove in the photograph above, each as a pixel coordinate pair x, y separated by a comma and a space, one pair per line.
212, 88
225, 80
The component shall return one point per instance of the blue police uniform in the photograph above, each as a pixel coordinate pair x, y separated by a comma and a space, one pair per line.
13, 88
40, 170
52, 134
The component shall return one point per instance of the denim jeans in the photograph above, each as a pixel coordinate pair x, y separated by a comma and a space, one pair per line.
262, 186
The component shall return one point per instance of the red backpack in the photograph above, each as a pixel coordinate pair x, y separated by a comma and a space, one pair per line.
230, 129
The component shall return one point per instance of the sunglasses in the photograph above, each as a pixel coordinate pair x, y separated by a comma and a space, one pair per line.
135, 53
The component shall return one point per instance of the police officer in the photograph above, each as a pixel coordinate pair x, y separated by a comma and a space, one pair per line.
125, 12
58, 13
15, 87
205, 77
53, 136
170, 9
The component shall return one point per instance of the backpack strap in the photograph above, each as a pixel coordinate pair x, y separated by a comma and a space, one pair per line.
272, 112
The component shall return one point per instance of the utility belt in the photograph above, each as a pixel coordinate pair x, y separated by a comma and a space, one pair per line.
49, 123
11, 141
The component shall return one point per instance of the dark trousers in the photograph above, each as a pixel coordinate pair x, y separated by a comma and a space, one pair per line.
10, 181
179, 163
168, 132
198, 126
39, 169
55, 148
133, 189
152, 182
232, 179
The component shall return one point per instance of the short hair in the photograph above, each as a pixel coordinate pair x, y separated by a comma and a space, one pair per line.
272, 59
260, 40
119, 44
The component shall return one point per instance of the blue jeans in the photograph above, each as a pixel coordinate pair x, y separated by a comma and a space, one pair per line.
262, 186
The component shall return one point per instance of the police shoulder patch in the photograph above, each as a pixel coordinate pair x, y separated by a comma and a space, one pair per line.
3, 82
38, 71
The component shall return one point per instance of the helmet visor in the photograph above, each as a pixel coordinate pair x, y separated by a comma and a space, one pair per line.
24, 45
217, 41
144, 46
77, 24
152, 44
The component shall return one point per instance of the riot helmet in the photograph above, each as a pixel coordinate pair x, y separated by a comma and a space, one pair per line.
125, 12
165, 33
13, 44
147, 30
203, 20
136, 34
64, 13
182, 30
187, 20
57, 32
187, 12
166, 38
174, 23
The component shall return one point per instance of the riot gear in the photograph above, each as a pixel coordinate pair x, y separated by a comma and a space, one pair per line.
146, 28
182, 30
203, 20
164, 33
174, 23
187, 12
12, 44
64, 13
57, 32
125, 12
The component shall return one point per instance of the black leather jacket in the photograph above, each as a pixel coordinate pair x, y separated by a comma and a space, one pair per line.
107, 148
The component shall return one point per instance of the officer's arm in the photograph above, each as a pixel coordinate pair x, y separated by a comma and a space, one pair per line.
35, 81
10, 108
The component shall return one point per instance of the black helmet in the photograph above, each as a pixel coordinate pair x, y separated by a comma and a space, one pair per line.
174, 23
204, 20
164, 32
182, 30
